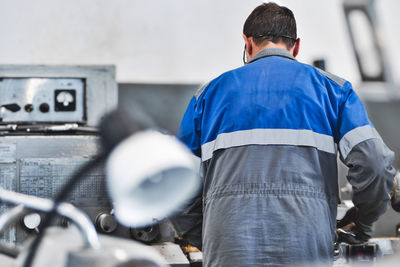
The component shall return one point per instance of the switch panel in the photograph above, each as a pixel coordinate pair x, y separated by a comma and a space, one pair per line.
26, 100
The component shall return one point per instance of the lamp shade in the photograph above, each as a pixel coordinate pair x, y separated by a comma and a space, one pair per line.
149, 176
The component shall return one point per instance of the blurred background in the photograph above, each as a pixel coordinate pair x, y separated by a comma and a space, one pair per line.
164, 50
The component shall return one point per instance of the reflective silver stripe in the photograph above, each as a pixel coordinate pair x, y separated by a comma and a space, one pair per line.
200, 90
332, 77
269, 137
356, 136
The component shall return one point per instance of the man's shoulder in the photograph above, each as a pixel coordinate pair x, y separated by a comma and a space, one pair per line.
224, 76
336, 79
201, 90
228, 74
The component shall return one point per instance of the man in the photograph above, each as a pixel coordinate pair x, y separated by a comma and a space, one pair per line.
268, 134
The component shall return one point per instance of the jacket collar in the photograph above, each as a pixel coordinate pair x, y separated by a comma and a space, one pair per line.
268, 52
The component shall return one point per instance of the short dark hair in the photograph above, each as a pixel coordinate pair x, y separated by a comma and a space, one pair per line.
270, 22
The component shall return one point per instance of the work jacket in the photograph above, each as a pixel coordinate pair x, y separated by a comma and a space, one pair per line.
268, 135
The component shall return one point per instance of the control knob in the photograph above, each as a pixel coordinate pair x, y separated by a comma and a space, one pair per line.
106, 222
31, 221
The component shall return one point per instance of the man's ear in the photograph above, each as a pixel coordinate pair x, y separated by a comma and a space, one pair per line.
249, 45
296, 48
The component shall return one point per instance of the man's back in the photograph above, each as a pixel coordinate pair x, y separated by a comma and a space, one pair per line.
270, 185
268, 135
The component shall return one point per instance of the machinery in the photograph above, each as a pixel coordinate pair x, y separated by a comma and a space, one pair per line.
48, 120
49, 129
78, 244
376, 249
379, 93
381, 98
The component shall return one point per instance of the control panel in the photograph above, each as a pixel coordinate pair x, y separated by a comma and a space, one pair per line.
53, 100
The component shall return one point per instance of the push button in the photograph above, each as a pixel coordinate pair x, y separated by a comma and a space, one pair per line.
44, 107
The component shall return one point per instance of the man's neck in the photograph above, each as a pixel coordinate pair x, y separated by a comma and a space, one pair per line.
257, 49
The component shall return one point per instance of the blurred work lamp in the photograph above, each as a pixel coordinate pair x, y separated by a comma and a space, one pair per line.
149, 174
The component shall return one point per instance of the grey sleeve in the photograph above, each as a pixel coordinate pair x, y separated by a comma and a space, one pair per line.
371, 175
188, 221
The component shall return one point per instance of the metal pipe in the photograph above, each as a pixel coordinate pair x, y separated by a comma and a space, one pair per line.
67, 210
11, 216
83, 222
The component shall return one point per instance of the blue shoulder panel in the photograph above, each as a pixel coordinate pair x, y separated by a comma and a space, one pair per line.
271, 93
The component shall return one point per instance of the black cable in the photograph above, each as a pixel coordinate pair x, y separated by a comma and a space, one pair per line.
65, 190
115, 127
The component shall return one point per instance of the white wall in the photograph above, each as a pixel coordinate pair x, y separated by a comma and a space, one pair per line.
174, 41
